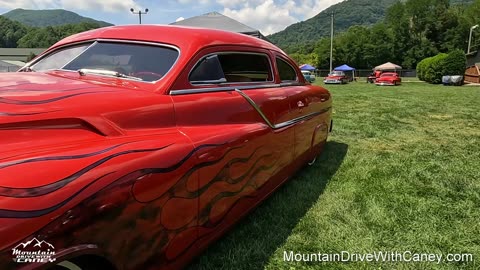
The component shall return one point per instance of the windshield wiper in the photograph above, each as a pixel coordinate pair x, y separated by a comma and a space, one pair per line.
85, 71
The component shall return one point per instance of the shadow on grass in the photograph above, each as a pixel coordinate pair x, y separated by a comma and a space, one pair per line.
251, 243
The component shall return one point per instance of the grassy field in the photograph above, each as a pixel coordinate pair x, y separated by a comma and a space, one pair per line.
401, 172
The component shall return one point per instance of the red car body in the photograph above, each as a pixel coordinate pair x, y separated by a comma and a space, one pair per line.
388, 78
336, 77
114, 171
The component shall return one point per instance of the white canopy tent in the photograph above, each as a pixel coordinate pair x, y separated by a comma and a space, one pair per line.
388, 66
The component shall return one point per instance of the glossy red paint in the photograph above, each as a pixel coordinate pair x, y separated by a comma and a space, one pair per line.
388, 78
146, 175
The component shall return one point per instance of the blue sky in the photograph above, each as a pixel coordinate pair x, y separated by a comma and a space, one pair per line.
269, 16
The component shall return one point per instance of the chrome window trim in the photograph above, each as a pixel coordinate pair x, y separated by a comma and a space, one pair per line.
233, 52
231, 88
96, 40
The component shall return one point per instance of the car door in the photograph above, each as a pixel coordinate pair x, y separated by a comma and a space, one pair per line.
309, 105
227, 102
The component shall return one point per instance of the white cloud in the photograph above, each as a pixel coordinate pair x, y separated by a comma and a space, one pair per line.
269, 16
104, 5
272, 16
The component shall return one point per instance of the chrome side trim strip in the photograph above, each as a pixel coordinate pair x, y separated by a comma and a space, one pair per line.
230, 88
255, 106
283, 124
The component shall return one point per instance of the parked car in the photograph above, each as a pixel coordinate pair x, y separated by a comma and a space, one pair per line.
388, 78
336, 77
308, 75
135, 147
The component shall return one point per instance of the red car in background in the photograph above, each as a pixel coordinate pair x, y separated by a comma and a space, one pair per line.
388, 78
135, 147
336, 77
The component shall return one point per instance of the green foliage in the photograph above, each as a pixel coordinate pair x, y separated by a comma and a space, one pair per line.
10, 33
454, 63
47, 36
410, 31
347, 13
14, 34
432, 69
50, 17
435, 68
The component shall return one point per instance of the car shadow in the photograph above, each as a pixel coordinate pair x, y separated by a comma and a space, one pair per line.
251, 243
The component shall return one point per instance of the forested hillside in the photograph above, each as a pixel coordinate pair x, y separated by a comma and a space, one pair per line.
296, 37
347, 13
49, 17
411, 31
14, 34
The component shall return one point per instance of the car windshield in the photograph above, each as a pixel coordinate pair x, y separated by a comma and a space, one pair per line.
127, 60
336, 73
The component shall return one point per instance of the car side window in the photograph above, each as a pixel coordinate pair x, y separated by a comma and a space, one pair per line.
286, 71
207, 71
232, 67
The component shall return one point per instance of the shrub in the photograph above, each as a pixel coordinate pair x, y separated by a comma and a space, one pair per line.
432, 69
455, 63
421, 68
435, 68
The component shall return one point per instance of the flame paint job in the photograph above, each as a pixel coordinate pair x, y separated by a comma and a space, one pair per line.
123, 170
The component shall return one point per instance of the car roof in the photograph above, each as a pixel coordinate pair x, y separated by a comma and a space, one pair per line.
180, 36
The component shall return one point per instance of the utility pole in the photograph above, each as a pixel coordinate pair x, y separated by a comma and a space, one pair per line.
331, 42
139, 14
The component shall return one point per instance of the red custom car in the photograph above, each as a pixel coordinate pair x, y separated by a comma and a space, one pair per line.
134, 147
388, 78
336, 77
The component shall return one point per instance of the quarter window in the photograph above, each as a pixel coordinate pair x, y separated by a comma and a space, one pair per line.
232, 68
286, 71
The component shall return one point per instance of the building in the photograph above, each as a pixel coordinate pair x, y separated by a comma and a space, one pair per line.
18, 54
215, 20
10, 66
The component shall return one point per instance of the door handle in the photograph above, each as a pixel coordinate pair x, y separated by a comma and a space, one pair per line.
300, 104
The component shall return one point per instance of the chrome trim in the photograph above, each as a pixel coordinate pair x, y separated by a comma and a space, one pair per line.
96, 40
283, 124
230, 88
255, 106
234, 52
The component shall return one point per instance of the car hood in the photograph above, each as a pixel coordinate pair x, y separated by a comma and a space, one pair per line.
40, 110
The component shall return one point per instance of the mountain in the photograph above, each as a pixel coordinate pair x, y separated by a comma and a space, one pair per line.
347, 13
49, 17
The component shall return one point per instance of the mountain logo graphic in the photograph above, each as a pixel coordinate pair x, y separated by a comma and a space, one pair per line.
34, 251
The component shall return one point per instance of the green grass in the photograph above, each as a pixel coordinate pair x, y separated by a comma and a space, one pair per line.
401, 172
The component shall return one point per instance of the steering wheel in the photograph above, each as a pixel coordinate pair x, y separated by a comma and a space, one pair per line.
147, 75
